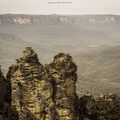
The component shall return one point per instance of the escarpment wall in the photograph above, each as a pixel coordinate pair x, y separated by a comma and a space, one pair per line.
56, 19
44, 92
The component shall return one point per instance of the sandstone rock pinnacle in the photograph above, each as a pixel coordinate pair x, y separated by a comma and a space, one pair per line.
31, 92
44, 92
63, 71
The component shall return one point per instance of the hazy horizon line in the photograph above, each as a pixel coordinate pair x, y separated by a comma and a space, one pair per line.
59, 14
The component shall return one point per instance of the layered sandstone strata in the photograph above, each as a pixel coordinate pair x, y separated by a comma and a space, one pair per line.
31, 88
44, 92
63, 71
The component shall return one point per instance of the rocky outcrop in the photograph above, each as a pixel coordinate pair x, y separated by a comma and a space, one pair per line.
63, 72
44, 92
5, 90
36, 92
7, 112
31, 91
31, 88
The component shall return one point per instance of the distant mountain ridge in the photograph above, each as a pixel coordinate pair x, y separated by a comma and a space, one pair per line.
48, 19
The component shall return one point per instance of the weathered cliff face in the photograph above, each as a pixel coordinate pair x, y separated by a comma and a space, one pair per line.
31, 91
53, 19
44, 92
6, 111
63, 72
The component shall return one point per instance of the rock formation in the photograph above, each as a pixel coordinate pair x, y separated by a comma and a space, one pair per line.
31, 91
44, 92
63, 72
5, 90
6, 111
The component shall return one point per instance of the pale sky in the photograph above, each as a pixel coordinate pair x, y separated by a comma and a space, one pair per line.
44, 7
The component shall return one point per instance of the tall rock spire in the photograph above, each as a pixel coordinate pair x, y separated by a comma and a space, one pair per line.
63, 71
44, 92
30, 88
